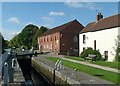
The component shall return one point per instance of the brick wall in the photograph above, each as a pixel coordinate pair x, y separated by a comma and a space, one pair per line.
50, 43
61, 41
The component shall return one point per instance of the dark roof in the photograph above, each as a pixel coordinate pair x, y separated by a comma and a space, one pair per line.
58, 28
102, 24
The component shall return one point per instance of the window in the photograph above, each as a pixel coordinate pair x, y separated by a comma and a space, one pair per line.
83, 48
44, 39
106, 55
83, 39
75, 41
55, 38
75, 38
76, 46
94, 44
51, 39
47, 39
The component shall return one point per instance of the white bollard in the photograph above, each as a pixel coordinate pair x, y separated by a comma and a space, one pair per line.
13, 62
6, 74
56, 63
58, 66
62, 64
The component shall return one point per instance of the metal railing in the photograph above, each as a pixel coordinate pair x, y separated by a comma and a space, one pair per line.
3, 59
3, 65
59, 64
12, 62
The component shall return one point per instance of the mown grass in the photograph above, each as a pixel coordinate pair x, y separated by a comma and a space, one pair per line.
108, 64
74, 58
102, 63
107, 75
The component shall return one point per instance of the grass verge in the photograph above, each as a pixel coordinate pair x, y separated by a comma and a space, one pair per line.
102, 63
107, 75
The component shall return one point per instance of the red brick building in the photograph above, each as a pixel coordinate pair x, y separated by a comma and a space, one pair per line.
62, 39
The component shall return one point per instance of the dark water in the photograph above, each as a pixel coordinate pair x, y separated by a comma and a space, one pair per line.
38, 79
30, 73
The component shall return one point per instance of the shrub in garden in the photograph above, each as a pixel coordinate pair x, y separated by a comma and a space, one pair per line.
117, 56
91, 51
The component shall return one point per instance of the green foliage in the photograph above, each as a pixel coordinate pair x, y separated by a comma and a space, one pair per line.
38, 33
3, 43
117, 57
27, 37
91, 51
13, 42
24, 38
117, 49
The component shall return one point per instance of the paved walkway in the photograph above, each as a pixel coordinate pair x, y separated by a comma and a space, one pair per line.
81, 77
87, 63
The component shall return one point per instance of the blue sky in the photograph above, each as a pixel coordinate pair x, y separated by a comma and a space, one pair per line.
15, 15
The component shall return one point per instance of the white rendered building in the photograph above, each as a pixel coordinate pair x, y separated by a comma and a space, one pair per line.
101, 35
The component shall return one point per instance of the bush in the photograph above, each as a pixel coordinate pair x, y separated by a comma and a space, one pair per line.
117, 56
91, 51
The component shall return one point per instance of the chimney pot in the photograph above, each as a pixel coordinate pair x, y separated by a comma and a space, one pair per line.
99, 16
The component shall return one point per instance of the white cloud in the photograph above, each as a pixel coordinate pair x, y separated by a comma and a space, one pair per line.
73, 4
14, 20
52, 13
88, 5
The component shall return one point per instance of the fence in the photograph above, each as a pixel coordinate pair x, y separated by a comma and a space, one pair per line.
59, 64
3, 59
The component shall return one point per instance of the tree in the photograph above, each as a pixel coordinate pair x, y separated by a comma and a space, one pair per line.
38, 33
117, 56
25, 37
3, 44
13, 42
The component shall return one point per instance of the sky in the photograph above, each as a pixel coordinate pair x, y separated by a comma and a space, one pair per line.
16, 15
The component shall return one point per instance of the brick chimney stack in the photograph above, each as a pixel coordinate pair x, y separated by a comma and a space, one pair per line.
99, 16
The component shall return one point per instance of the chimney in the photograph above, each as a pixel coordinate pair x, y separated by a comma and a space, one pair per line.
99, 16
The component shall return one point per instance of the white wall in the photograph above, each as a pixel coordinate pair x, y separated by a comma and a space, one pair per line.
105, 41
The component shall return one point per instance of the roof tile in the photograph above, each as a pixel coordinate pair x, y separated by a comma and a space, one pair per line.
102, 24
58, 28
